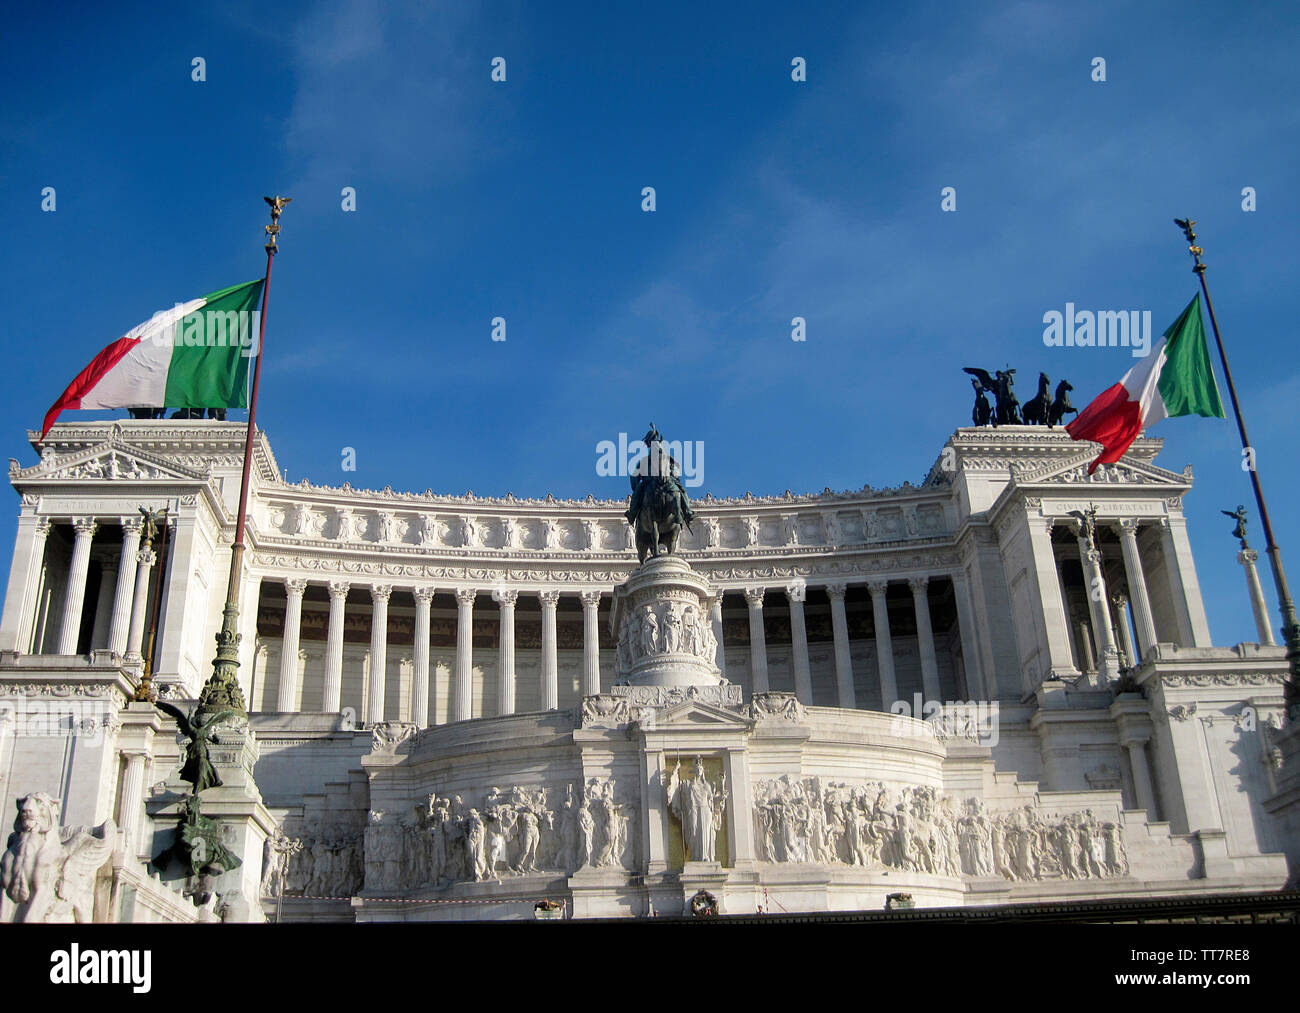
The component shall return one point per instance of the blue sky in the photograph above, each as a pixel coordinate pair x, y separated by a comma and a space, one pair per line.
522, 200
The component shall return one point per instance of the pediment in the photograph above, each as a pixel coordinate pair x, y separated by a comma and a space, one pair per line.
109, 461
696, 714
1073, 471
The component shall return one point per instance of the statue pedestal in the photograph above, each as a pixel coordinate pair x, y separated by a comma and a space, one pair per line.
660, 621
237, 806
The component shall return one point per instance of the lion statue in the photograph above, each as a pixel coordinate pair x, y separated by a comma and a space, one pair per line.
47, 873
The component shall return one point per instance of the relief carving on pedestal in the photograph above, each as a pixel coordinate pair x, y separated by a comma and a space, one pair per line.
918, 830
520, 831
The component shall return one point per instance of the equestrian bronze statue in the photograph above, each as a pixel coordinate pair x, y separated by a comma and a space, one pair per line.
659, 507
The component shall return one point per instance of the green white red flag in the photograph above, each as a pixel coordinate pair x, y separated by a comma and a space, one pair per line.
1175, 379
194, 355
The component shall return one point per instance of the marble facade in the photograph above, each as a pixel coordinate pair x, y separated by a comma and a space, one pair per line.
461, 705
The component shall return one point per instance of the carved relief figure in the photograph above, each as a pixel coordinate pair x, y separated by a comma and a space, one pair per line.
699, 804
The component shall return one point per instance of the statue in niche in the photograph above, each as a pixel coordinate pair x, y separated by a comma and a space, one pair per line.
699, 804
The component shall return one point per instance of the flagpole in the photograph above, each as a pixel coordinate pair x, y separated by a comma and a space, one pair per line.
1290, 626
222, 691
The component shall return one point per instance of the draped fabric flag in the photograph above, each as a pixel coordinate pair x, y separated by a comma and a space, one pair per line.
194, 355
1175, 379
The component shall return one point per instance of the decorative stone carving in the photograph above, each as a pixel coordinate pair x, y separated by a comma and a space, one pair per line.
918, 830
790, 529
386, 736
47, 872
662, 626
515, 832
776, 706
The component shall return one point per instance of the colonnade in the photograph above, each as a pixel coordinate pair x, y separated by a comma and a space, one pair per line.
461, 684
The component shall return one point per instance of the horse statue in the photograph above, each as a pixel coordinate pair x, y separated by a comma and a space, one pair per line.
1061, 406
659, 506
1035, 411
1007, 411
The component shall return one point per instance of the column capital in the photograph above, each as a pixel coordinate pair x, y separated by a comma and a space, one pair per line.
1247, 556
131, 525
295, 586
590, 599
754, 597
877, 587
84, 526
836, 591
549, 598
43, 525
466, 595
1119, 599
505, 596
918, 584
145, 557
1126, 526
797, 591
381, 593
423, 594
339, 589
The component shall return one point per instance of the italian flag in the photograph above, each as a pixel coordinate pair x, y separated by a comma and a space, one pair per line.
194, 355
1174, 379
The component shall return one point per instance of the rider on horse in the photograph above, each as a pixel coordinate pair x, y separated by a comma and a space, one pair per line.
658, 462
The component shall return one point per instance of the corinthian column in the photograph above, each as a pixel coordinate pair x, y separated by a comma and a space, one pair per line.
590, 643
884, 643
1094, 581
287, 698
1120, 601
104, 601
550, 660
139, 601
846, 695
132, 798
334, 647
462, 681
796, 594
420, 650
76, 592
1137, 587
925, 638
120, 624
379, 595
757, 640
505, 599
715, 617
1247, 558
